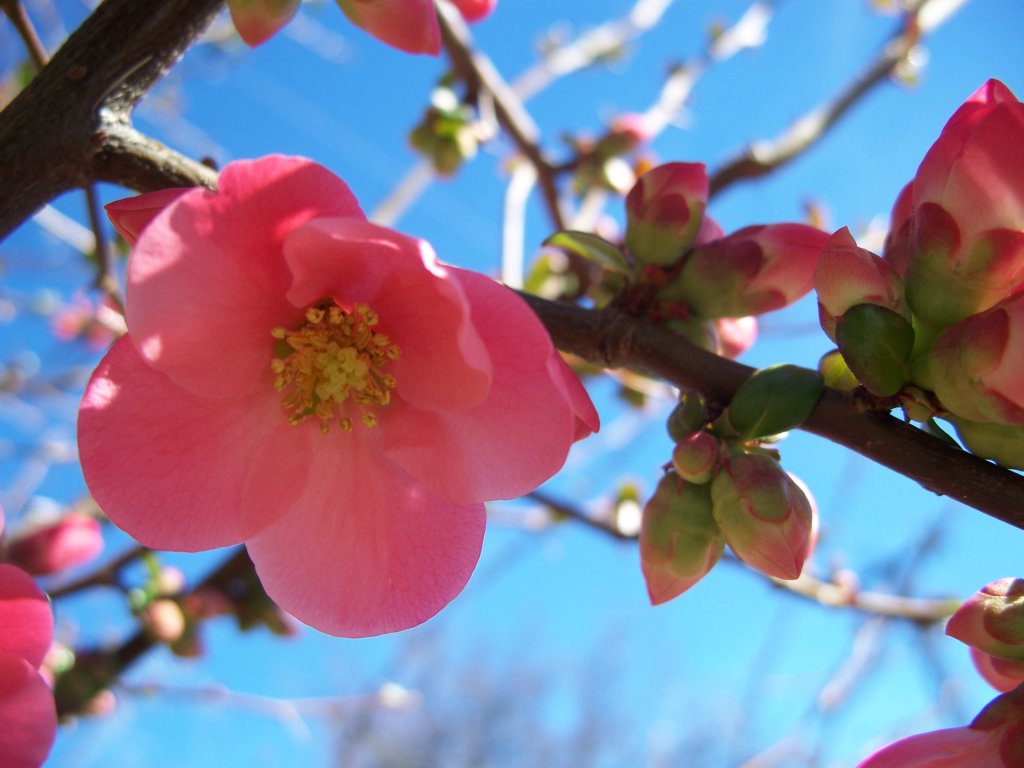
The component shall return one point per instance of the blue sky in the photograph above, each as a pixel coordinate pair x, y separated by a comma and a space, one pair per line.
733, 662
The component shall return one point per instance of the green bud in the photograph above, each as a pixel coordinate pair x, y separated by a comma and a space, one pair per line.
774, 400
876, 344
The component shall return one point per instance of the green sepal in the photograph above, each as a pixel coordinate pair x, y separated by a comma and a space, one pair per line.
592, 248
774, 400
876, 344
836, 372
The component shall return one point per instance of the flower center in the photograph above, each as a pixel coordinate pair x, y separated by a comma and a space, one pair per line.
333, 359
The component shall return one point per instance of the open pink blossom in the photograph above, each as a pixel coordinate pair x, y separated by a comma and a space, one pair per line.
322, 389
28, 717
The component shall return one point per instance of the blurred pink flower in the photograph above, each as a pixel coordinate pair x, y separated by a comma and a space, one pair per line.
475, 10
73, 540
409, 25
97, 324
256, 21
735, 335
324, 390
28, 717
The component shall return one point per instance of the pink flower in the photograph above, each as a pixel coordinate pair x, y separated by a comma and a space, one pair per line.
409, 25
754, 270
847, 275
324, 390
28, 717
735, 335
256, 21
967, 247
73, 540
995, 739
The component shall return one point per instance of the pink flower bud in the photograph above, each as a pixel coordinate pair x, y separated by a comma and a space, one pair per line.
131, 215
992, 620
752, 271
73, 540
664, 210
256, 21
735, 335
696, 456
1002, 674
475, 10
976, 367
409, 25
847, 275
163, 620
967, 249
766, 518
896, 250
679, 540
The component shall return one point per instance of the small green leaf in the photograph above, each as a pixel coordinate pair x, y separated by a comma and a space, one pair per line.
592, 248
876, 344
774, 400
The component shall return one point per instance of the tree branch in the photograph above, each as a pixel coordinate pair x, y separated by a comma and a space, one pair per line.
70, 126
612, 339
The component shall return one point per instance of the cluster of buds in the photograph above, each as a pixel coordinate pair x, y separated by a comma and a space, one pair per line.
448, 134
938, 319
726, 486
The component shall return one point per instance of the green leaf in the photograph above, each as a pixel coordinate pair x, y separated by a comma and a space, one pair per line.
592, 248
876, 344
774, 400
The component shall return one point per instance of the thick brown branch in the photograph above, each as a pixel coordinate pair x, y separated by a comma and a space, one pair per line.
612, 339
69, 127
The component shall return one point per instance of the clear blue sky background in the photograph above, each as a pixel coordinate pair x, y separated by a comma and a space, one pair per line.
734, 666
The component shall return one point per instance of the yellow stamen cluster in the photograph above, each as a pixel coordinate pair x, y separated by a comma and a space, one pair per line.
335, 357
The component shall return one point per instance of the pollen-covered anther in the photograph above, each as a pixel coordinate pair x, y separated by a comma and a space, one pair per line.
335, 356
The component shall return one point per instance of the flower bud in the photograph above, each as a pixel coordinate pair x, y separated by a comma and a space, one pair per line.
752, 271
1002, 674
679, 540
73, 540
846, 276
664, 210
475, 10
967, 247
687, 417
164, 620
992, 620
256, 21
735, 335
766, 518
696, 456
976, 367
896, 250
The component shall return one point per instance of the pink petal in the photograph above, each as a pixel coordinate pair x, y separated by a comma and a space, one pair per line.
443, 364
206, 280
409, 25
164, 465
26, 621
131, 215
366, 549
948, 748
28, 716
515, 439
256, 21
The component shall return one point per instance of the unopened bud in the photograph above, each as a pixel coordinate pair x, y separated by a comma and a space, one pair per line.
664, 210
992, 620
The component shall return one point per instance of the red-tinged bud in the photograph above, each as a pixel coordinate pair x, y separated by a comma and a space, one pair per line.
766, 518
164, 620
1003, 443
73, 540
976, 367
696, 456
896, 250
992, 620
847, 275
735, 335
967, 249
1002, 674
679, 540
664, 210
131, 215
256, 21
475, 10
749, 272
409, 25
